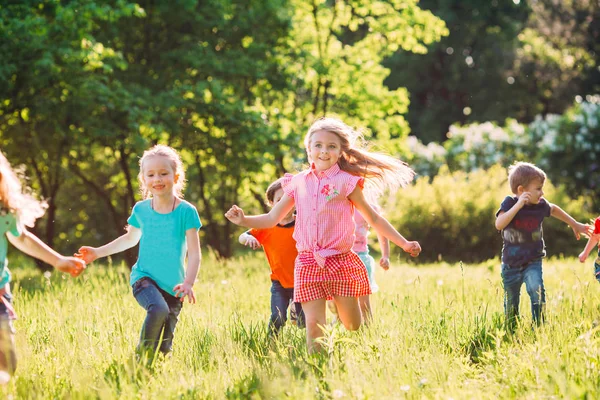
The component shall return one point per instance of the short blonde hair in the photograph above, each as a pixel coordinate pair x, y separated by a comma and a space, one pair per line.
522, 174
175, 160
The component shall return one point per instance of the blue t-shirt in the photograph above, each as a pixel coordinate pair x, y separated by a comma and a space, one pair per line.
523, 237
163, 244
8, 223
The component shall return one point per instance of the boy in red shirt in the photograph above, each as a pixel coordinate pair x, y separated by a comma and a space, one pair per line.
280, 249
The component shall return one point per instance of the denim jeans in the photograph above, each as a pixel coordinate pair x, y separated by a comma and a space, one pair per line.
280, 300
512, 279
8, 354
162, 310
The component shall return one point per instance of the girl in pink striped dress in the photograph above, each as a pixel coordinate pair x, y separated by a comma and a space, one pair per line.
325, 196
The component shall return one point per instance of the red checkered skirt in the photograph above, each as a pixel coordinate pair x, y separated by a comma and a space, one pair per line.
343, 275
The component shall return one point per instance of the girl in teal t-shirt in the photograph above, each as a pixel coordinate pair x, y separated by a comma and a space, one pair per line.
166, 227
19, 209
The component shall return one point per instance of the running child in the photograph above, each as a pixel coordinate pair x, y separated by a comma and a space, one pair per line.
166, 226
325, 196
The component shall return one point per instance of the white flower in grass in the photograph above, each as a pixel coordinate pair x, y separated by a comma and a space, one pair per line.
440, 282
338, 394
405, 388
224, 282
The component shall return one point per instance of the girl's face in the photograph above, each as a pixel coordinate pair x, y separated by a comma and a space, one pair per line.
159, 176
325, 149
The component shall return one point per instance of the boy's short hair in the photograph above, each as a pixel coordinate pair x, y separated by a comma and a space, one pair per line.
272, 189
522, 173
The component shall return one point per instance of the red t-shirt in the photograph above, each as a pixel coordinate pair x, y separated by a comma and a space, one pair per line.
280, 248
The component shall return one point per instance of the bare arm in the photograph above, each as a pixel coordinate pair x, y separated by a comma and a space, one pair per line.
30, 244
384, 244
578, 228
194, 254
381, 225
504, 217
591, 243
122, 243
263, 221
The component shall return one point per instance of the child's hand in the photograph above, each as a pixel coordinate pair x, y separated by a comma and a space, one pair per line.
251, 242
582, 229
185, 289
523, 199
235, 215
87, 254
384, 263
70, 265
412, 248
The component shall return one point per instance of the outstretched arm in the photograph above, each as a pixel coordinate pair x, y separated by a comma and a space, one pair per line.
578, 228
30, 244
122, 243
194, 255
381, 225
591, 243
263, 221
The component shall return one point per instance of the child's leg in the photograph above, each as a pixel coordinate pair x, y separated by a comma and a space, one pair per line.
365, 308
148, 296
280, 300
175, 306
512, 279
314, 311
349, 312
535, 289
8, 355
301, 318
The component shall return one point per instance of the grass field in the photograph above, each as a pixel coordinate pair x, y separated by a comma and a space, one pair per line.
438, 333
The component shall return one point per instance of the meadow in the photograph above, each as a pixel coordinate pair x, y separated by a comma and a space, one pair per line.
438, 334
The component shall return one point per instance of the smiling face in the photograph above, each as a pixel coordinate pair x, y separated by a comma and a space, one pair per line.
325, 149
535, 188
159, 176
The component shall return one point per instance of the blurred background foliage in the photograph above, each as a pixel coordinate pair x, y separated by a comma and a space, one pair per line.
460, 89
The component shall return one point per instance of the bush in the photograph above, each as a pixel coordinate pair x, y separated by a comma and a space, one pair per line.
453, 215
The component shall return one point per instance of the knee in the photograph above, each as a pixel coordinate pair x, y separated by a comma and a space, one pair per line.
159, 311
352, 325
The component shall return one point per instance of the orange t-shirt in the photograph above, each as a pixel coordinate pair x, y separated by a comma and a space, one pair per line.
280, 248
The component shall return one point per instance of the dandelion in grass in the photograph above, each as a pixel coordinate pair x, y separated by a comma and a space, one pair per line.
338, 394
224, 282
405, 388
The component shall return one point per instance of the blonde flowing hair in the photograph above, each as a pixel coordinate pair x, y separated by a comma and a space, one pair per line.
380, 171
17, 197
175, 160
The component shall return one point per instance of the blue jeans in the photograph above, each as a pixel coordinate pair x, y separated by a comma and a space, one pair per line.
162, 310
512, 279
280, 300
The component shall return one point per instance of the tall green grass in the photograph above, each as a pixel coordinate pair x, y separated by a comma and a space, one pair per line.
438, 333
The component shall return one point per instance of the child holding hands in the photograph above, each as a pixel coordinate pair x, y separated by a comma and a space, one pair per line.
591, 243
19, 209
280, 249
166, 226
325, 196
520, 219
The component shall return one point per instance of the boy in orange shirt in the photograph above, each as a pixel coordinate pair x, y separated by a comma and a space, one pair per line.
280, 249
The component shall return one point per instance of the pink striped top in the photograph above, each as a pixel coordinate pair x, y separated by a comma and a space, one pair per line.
362, 230
324, 222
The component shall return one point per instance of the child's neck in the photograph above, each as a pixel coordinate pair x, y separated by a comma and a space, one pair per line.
163, 204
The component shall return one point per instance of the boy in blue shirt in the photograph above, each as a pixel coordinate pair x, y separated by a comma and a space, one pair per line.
520, 219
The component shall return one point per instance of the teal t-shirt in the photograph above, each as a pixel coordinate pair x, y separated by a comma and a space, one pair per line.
8, 223
163, 245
